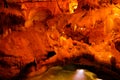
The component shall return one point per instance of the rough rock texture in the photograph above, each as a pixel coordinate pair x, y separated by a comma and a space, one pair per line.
88, 37
19, 49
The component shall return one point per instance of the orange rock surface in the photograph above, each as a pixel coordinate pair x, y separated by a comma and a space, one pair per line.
50, 37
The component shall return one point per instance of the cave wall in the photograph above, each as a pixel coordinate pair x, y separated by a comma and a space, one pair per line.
51, 37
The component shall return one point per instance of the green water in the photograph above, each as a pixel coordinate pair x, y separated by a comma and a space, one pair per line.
60, 73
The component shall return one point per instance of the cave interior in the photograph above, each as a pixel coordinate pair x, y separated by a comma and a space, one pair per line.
60, 40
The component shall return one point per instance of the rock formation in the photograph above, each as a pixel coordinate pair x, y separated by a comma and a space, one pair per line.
43, 36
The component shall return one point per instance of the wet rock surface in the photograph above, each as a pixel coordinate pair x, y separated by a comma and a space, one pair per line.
49, 40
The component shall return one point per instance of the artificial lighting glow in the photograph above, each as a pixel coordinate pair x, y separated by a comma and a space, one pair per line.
80, 75
110, 56
75, 27
73, 5
62, 38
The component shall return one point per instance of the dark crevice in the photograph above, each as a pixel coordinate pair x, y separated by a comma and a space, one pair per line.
5, 4
25, 71
117, 45
3, 54
86, 7
10, 21
88, 57
50, 54
4, 64
68, 25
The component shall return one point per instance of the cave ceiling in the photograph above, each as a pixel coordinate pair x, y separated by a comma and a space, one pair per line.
38, 34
